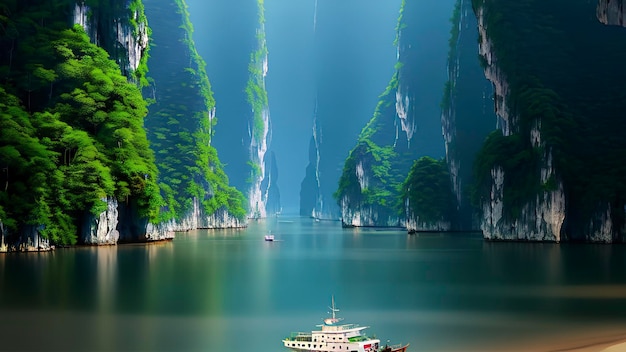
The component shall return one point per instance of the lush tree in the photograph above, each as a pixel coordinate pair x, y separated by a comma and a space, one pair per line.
72, 125
428, 191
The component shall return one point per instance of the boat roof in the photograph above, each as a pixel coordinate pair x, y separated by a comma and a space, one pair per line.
341, 328
331, 324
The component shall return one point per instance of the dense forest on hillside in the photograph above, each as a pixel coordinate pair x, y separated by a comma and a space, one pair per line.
571, 94
72, 130
73, 135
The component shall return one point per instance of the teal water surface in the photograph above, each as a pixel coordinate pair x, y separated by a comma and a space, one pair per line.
229, 290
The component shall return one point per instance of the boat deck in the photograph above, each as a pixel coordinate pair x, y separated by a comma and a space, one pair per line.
300, 336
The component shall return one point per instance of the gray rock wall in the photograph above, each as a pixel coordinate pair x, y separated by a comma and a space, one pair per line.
102, 229
125, 44
611, 12
551, 215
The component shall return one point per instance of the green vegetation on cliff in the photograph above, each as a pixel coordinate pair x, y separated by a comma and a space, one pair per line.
72, 130
375, 156
519, 162
400, 131
565, 75
449, 88
139, 20
428, 192
256, 95
180, 122
101, 15
380, 163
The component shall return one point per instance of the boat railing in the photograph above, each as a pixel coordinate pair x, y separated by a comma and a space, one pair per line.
300, 336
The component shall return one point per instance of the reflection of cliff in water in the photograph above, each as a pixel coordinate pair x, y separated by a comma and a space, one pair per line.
493, 295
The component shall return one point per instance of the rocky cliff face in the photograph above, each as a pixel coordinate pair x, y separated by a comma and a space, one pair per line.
3, 235
467, 111
262, 184
313, 196
537, 184
102, 229
405, 126
269, 185
181, 126
93, 156
234, 46
541, 218
350, 55
172, 31
611, 12
195, 219
413, 225
120, 28
310, 197
601, 228
29, 239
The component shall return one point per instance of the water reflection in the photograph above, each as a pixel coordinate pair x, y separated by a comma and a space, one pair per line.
208, 288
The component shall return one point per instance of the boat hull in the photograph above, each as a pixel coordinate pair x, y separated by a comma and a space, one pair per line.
398, 348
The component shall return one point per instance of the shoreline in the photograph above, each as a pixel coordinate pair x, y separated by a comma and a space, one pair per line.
611, 341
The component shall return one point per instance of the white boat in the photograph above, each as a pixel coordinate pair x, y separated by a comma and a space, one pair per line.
269, 238
334, 336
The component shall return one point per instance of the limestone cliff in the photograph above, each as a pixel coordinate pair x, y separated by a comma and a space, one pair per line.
541, 218
231, 38
179, 84
3, 234
95, 178
428, 200
406, 125
261, 183
76, 113
181, 124
611, 12
311, 201
101, 229
540, 177
269, 184
467, 111
28, 239
121, 28
353, 61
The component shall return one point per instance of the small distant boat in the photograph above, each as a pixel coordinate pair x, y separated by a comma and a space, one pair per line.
269, 238
334, 336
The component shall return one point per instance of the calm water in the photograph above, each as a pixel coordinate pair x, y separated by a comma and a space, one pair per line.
231, 291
